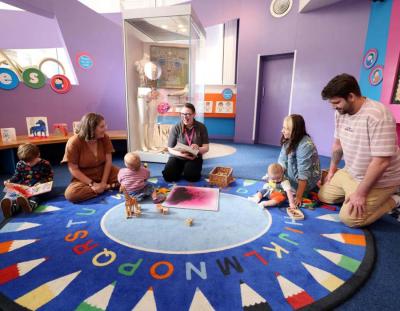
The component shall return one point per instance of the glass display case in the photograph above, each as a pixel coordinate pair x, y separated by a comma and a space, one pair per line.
164, 55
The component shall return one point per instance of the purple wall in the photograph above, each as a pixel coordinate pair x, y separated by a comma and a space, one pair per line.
101, 89
328, 41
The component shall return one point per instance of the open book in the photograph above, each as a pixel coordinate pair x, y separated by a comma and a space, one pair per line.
28, 191
185, 148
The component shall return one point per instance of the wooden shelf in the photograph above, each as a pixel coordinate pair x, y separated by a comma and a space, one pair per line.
53, 139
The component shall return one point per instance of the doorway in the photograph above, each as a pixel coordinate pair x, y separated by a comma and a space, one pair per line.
274, 95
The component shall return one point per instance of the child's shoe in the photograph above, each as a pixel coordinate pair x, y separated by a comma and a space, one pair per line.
25, 204
253, 198
6, 206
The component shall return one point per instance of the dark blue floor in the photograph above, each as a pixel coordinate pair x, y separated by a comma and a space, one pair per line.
250, 161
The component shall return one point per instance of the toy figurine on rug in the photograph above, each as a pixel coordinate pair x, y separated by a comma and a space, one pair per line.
132, 208
276, 190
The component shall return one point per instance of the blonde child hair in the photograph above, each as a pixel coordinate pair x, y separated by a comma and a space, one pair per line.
275, 169
132, 161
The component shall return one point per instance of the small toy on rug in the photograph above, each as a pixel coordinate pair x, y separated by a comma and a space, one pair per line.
189, 222
165, 210
159, 207
295, 213
221, 176
132, 208
308, 204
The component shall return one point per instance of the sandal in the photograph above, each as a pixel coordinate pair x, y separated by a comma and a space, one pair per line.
295, 213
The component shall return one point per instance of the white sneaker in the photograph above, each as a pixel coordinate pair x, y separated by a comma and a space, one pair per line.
396, 198
253, 199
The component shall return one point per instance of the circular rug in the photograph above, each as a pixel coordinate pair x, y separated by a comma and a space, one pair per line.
219, 150
89, 256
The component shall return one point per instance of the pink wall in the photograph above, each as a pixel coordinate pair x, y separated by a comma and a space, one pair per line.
392, 62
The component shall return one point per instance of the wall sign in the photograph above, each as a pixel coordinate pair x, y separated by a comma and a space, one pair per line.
60, 84
227, 93
34, 78
8, 79
84, 60
370, 58
376, 75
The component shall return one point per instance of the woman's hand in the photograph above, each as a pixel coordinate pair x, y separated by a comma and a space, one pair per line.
194, 146
298, 201
99, 187
188, 156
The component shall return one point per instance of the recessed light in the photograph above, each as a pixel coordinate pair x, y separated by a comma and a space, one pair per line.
164, 26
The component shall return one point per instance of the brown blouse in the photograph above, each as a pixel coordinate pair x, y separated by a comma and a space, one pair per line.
77, 151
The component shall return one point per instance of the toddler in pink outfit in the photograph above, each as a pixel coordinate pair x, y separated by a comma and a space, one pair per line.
134, 177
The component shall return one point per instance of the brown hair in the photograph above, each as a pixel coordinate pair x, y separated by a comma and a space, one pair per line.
341, 86
88, 124
28, 152
190, 106
298, 131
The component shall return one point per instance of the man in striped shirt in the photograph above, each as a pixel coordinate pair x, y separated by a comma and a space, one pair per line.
365, 136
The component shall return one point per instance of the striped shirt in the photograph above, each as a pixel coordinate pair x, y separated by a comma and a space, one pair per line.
133, 180
371, 132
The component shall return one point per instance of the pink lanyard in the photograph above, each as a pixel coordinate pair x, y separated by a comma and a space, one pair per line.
189, 140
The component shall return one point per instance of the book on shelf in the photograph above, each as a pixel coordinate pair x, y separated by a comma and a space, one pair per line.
185, 148
28, 191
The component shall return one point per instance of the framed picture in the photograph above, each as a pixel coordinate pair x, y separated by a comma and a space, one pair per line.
228, 107
219, 107
174, 63
37, 126
8, 134
208, 106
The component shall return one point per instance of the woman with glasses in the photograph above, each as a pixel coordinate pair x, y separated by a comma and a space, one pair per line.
88, 154
193, 134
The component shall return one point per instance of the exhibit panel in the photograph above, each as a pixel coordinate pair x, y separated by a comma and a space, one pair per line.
164, 51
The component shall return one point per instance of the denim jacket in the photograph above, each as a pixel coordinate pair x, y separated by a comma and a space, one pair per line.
302, 163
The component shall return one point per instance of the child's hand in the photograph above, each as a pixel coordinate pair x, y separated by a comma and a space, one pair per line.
6, 182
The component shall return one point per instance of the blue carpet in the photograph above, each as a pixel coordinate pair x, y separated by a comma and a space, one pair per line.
380, 292
239, 256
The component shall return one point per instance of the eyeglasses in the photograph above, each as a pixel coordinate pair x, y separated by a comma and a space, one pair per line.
186, 114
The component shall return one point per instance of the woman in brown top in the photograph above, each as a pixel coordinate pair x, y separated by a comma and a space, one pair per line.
88, 154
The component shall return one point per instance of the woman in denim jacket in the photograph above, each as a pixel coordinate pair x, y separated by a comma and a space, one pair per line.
299, 156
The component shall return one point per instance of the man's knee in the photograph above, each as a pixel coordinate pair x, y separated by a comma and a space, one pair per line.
327, 196
351, 221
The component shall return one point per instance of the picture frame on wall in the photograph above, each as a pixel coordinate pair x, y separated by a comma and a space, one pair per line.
219, 107
228, 107
174, 63
208, 106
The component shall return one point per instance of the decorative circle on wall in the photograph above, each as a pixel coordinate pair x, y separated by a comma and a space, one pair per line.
34, 78
370, 58
8, 79
376, 75
60, 84
84, 60
280, 8
227, 93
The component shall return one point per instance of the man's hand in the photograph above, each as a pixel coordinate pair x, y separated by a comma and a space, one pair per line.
356, 204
